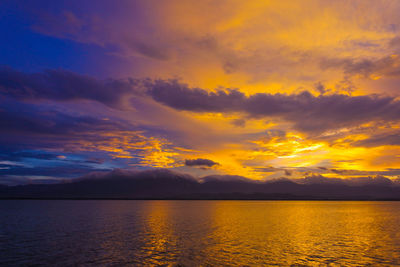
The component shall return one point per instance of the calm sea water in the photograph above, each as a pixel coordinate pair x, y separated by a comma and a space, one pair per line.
193, 233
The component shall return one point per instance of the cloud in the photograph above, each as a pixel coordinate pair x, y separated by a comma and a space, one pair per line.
105, 30
21, 155
49, 127
392, 139
18, 118
200, 162
239, 122
307, 112
149, 50
369, 68
62, 85
165, 31
288, 172
179, 96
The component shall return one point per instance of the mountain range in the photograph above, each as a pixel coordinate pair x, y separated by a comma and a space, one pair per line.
166, 184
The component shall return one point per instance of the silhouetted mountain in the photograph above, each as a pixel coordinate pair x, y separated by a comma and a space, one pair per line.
166, 184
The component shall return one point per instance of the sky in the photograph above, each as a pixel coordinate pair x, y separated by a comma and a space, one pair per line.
260, 89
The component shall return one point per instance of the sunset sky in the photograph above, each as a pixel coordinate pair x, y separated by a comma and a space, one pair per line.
261, 89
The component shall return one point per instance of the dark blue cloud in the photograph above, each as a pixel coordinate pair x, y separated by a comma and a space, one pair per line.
62, 85
309, 113
46, 141
200, 162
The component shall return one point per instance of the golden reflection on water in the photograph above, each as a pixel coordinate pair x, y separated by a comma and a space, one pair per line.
199, 233
159, 232
311, 233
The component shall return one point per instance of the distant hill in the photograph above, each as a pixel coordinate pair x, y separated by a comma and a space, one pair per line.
165, 184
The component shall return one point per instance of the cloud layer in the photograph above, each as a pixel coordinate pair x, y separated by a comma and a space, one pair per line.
258, 89
308, 113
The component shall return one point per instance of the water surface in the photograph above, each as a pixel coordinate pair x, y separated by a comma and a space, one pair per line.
192, 233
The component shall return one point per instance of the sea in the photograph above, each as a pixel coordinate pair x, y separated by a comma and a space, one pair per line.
199, 233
